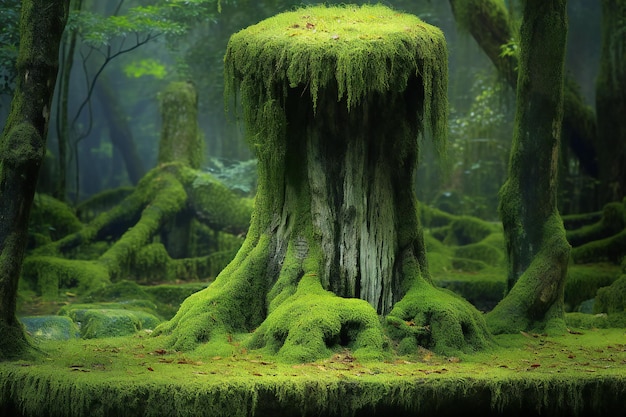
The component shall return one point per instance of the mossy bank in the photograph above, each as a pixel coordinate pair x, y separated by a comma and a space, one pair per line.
582, 373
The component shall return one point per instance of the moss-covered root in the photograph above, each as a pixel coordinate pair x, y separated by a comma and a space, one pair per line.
437, 319
313, 322
536, 300
611, 249
234, 303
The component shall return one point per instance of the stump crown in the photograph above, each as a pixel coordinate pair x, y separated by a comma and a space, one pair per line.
356, 50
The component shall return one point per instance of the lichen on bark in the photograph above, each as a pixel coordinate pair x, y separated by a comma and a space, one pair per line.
334, 101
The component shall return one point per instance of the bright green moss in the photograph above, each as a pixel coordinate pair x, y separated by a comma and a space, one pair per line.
131, 376
110, 320
215, 204
439, 320
610, 249
613, 221
313, 323
358, 50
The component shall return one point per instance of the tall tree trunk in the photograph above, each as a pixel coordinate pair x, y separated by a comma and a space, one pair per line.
63, 121
535, 238
488, 23
23, 148
611, 101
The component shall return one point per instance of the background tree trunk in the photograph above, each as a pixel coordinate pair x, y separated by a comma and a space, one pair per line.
488, 23
611, 101
23, 149
120, 132
535, 238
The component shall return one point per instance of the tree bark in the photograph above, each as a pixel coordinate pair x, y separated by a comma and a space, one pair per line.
535, 238
23, 148
488, 23
611, 101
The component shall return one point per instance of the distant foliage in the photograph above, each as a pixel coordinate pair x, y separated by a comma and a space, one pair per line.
146, 67
238, 176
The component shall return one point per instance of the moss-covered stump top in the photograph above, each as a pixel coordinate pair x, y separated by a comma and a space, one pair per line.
356, 50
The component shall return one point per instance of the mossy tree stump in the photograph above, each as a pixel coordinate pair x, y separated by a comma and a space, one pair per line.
334, 100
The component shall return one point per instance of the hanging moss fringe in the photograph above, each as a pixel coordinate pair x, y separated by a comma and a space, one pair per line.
27, 391
356, 50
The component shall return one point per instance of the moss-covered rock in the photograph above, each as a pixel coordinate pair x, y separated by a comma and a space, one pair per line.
595, 321
583, 282
51, 327
111, 319
612, 298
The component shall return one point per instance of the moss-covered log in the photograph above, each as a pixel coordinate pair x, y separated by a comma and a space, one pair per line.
22, 150
334, 100
535, 238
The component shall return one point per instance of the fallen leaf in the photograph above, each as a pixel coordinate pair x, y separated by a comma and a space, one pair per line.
150, 369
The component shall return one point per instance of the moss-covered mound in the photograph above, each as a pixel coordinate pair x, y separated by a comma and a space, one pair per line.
50, 327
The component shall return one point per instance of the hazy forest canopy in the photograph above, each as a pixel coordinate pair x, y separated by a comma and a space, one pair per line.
124, 102
346, 187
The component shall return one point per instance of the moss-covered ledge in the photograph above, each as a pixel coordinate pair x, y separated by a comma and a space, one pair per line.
579, 374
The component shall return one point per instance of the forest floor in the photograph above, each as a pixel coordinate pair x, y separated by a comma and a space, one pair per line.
523, 373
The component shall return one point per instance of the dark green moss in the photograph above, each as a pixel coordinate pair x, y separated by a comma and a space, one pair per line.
465, 230
612, 222
612, 298
52, 217
583, 282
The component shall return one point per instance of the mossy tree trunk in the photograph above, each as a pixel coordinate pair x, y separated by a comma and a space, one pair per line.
489, 24
333, 110
611, 101
180, 141
23, 148
537, 248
